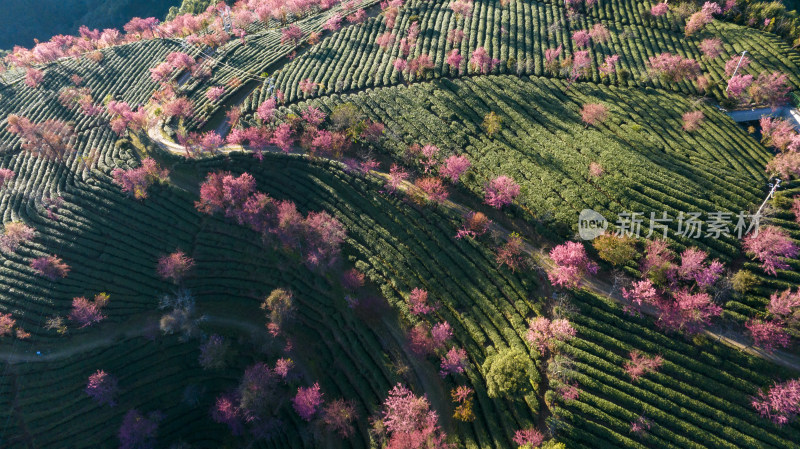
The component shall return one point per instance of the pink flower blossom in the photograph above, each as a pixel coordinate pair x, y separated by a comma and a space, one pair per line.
769, 246
781, 403
692, 120
215, 93
594, 113
581, 38
454, 59
307, 401
501, 191
528, 438
659, 9
453, 362
453, 167
571, 265
711, 48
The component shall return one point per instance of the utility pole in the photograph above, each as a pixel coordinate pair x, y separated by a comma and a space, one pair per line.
773, 187
736, 69
226, 18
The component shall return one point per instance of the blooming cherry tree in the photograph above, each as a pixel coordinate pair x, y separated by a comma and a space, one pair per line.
418, 302
768, 334
545, 334
14, 234
51, 267
692, 120
594, 113
781, 403
307, 401
102, 387
453, 362
571, 265
501, 191
409, 421
528, 438
769, 246
174, 266
640, 364
86, 312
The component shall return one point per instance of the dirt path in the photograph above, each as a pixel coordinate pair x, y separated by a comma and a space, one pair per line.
594, 284
101, 338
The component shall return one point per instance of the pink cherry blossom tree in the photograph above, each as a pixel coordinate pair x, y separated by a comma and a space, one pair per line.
769, 246
226, 411
770, 89
266, 110
659, 9
455, 36
481, 62
609, 65
441, 333
639, 364
453, 362
334, 23
87, 312
581, 38
461, 8
641, 292
551, 56
785, 305
307, 401
545, 334
599, 33
692, 120
420, 340
385, 40
737, 85
454, 59
687, 312
102, 387
501, 191
433, 189
396, 178
283, 367
33, 77
673, 68
596, 170
136, 181
731, 64
711, 48
594, 113
6, 175
409, 421
418, 302
781, 403
454, 166
14, 235
174, 266
215, 93
7, 323
528, 438
283, 137
50, 267
572, 264
768, 335
291, 34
